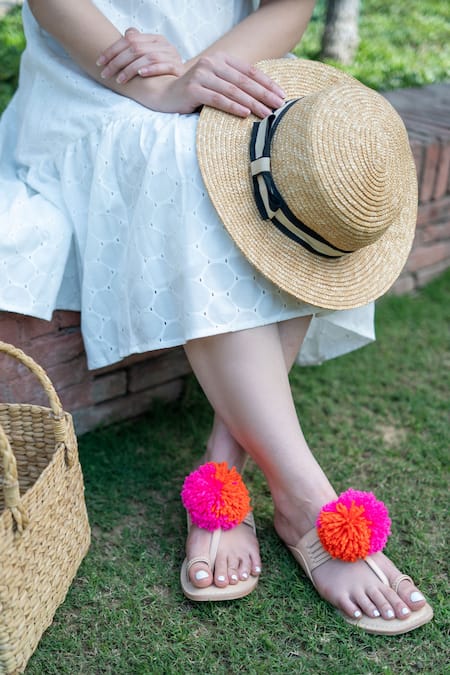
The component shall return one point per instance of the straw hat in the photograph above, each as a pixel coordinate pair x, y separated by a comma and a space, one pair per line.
321, 196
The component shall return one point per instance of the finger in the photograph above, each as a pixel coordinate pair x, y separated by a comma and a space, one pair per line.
256, 91
119, 63
256, 75
116, 48
162, 68
228, 97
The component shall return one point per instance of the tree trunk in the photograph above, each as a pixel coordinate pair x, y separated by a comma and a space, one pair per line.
340, 38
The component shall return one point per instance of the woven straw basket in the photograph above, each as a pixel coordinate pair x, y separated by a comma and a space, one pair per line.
44, 528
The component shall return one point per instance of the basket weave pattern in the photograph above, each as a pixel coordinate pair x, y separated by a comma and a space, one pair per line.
44, 528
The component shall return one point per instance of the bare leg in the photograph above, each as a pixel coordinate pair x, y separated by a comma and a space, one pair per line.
238, 554
245, 378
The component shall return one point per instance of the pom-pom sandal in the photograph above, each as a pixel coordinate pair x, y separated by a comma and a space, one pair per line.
359, 527
217, 500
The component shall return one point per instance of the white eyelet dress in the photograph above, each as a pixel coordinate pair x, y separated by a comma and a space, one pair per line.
103, 209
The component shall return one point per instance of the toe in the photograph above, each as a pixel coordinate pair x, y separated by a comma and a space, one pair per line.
200, 575
410, 595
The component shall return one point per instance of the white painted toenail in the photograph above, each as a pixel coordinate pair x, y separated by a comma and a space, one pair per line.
221, 578
357, 614
234, 577
376, 612
257, 569
405, 611
416, 596
244, 575
201, 574
390, 614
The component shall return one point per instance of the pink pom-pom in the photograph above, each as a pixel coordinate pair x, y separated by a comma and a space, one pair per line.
354, 525
215, 496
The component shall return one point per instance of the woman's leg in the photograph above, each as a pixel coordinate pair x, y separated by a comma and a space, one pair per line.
244, 376
239, 546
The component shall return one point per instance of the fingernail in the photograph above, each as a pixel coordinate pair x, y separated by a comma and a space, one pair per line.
416, 596
120, 79
103, 75
376, 612
405, 611
221, 578
142, 71
390, 614
101, 60
357, 614
234, 577
201, 574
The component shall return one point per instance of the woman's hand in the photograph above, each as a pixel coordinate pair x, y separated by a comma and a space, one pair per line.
139, 54
222, 82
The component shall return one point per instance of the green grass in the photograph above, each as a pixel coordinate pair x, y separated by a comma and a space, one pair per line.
377, 419
402, 44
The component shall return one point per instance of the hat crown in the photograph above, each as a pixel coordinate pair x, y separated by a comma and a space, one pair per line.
336, 158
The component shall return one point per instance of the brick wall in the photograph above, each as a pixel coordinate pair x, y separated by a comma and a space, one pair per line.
127, 389
425, 112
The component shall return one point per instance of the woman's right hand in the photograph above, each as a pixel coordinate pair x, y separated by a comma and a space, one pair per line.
223, 82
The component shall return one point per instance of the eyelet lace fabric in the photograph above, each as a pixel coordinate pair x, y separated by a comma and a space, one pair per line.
103, 209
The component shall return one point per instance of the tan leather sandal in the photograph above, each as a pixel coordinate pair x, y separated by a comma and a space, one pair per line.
212, 592
310, 554
215, 512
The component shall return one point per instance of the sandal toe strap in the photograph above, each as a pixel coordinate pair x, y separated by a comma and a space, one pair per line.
398, 580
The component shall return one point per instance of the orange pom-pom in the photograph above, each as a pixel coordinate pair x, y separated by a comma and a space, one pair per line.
345, 532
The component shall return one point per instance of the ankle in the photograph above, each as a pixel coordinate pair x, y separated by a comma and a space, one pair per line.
294, 517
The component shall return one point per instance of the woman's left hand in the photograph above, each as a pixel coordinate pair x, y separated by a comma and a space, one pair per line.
141, 54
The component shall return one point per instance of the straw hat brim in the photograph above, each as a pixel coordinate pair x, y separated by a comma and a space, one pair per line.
344, 283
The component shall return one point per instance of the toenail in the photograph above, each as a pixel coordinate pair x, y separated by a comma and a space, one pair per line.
221, 578
390, 614
376, 612
201, 574
416, 596
244, 575
405, 611
257, 569
357, 614
234, 577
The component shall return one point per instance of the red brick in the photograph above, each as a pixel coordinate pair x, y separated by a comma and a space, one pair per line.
10, 328
424, 256
33, 328
434, 212
109, 386
25, 389
428, 177
78, 396
131, 360
57, 348
404, 284
438, 232
166, 367
66, 319
426, 274
443, 173
418, 155
69, 373
127, 407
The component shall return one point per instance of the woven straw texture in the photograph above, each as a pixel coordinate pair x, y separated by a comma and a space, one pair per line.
347, 172
44, 528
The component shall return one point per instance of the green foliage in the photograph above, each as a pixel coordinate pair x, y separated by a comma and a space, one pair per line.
402, 44
12, 44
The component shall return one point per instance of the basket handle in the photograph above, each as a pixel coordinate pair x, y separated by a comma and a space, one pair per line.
11, 483
55, 404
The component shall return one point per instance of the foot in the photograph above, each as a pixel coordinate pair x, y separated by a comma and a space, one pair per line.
238, 554
353, 587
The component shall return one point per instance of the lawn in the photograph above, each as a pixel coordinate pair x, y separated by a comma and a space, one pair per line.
377, 420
